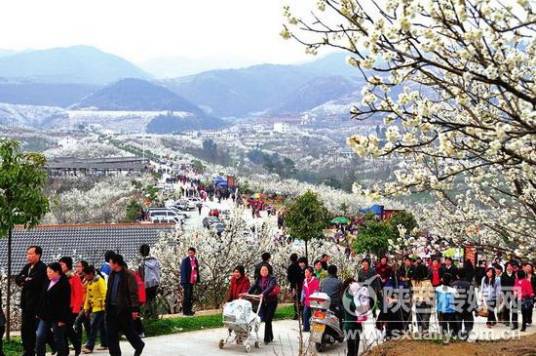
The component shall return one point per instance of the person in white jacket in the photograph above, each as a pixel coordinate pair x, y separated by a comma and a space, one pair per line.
490, 288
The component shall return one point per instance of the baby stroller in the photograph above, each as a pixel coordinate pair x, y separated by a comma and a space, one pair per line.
243, 324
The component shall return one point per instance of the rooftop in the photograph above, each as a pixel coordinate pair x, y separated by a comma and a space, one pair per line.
88, 242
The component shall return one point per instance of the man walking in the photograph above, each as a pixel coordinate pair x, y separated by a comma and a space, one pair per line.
295, 278
508, 280
189, 278
465, 302
32, 279
122, 307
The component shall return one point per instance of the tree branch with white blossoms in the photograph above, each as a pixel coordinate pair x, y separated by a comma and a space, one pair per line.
454, 82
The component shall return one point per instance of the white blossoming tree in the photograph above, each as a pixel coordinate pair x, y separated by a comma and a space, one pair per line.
454, 82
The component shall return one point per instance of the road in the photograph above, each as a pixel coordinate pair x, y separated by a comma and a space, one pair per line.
205, 342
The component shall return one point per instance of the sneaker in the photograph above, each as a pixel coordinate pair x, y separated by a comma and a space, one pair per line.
101, 348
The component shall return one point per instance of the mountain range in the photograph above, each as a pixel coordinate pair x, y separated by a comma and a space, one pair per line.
85, 78
78, 64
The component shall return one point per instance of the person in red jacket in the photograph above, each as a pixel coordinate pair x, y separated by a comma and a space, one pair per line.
311, 284
239, 283
435, 275
525, 295
77, 302
384, 270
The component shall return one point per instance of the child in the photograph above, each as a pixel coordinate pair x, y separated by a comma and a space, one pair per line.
446, 311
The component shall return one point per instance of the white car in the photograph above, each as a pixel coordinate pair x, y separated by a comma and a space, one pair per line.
164, 216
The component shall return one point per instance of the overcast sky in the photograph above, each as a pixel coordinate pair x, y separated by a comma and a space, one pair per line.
243, 30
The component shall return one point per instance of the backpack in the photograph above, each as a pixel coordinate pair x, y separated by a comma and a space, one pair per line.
142, 297
151, 272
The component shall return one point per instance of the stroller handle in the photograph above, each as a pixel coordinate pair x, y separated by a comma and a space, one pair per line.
252, 297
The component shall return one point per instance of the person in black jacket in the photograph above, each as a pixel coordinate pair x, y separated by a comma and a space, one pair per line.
508, 280
54, 311
266, 286
295, 278
189, 279
449, 268
469, 271
122, 307
480, 272
465, 302
2, 325
32, 279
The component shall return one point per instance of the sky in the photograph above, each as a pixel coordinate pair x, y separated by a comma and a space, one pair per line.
243, 32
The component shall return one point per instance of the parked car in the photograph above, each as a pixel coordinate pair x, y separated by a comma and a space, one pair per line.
209, 221
186, 204
218, 227
164, 215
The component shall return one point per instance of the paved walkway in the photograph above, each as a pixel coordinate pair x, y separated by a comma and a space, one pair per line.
205, 342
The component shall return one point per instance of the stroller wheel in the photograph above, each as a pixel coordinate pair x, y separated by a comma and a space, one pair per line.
248, 348
320, 347
257, 344
221, 343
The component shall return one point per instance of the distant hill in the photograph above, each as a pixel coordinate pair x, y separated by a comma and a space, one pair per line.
169, 124
78, 64
6, 52
316, 92
137, 95
266, 88
29, 93
236, 92
332, 64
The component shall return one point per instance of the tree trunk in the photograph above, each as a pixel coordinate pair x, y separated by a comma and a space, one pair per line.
307, 253
8, 302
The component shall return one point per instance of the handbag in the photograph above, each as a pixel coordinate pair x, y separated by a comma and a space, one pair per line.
483, 310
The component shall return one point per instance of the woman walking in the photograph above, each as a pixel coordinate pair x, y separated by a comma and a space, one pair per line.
356, 300
525, 295
94, 306
311, 284
54, 311
239, 283
266, 285
491, 289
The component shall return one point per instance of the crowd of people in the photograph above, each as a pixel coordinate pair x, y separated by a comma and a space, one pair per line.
60, 299
408, 292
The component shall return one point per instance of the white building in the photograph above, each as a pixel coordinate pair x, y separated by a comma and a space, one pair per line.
281, 127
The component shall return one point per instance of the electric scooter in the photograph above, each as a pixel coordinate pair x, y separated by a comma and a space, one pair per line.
325, 325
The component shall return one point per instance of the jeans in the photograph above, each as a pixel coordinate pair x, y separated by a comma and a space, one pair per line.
58, 332
82, 322
526, 312
73, 336
120, 321
468, 320
306, 318
151, 310
447, 323
27, 332
96, 320
492, 319
187, 302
